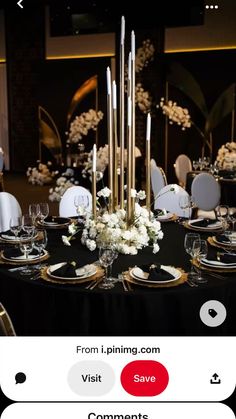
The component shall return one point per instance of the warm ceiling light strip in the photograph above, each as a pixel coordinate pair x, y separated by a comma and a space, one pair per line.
65, 57
171, 51
3, 60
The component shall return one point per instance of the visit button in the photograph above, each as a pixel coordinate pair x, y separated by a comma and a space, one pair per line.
144, 378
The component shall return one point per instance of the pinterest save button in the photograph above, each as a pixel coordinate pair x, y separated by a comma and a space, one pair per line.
144, 378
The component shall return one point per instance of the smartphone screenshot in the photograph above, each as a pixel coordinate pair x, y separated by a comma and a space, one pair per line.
117, 209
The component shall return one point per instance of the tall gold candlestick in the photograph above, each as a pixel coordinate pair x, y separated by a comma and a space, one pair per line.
115, 145
133, 116
129, 167
109, 134
148, 163
94, 186
122, 111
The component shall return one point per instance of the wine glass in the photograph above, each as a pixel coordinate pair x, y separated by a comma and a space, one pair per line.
106, 258
81, 203
15, 226
43, 211
199, 251
28, 224
40, 244
222, 212
26, 247
34, 212
195, 165
184, 203
188, 245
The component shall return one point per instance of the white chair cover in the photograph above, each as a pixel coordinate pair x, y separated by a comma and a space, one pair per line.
182, 166
6, 326
205, 192
158, 178
9, 207
67, 207
169, 200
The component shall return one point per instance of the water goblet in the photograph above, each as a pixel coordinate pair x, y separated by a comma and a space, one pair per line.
40, 244
188, 245
81, 203
106, 257
185, 203
195, 164
199, 252
15, 226
43, 211
28, 224
34, 212
26, 247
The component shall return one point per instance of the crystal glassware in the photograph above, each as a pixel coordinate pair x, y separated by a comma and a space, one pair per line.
15, 226
26, 247
34, 212
106, 258
199, 252
28, 224
43, 211
188, 245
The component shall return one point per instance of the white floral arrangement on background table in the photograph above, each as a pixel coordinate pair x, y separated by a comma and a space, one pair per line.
65, 181
143, 231
226, 156
81, 125
175, 113
42, 174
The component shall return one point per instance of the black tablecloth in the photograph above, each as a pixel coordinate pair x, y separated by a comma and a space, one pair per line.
39, 308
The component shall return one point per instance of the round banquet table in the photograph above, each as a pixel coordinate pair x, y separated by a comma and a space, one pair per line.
40, 308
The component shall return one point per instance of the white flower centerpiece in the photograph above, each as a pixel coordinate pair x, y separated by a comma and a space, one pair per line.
226, 156
144, 230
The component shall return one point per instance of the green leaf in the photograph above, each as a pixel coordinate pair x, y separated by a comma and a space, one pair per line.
181, 78
221, 108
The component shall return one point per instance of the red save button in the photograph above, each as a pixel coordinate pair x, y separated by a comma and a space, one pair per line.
144, 378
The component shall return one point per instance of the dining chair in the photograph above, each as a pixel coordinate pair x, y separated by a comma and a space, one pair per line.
6, 326
67, 207
205, 192
9, 207
182, 166
158, 178
169, 198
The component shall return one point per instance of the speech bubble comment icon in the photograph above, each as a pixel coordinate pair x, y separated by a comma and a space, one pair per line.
20, 378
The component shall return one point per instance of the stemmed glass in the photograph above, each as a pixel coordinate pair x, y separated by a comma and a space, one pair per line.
26, 247
34, 212
195, 165
43, 211
222, 214
199, 252
188, 245
40, 244
81, 203
106, 258
185, 203
28, 224
15, 226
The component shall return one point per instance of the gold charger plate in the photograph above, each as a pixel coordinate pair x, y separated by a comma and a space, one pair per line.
202, 230
183, 278
22, 261
212, 242
96, 277
167, 220
213, 268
